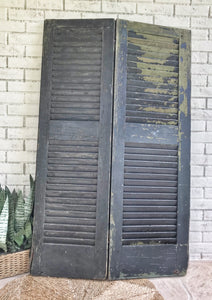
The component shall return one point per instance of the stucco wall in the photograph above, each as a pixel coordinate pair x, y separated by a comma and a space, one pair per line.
21, 25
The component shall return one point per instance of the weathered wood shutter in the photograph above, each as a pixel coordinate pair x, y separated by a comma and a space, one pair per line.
151, 152
74, 149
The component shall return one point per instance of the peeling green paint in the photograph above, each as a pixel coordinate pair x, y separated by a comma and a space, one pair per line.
161, 91
149, 44
169, 70
184, 107
159, 110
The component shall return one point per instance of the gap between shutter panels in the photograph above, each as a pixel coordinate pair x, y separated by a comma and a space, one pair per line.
152, 79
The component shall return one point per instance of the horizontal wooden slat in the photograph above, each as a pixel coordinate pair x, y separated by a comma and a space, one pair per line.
71, 187
158, 91
149, 46
151, 37
151, 96
157, 68
151, 84
71, 201
151, 166
65, 54
136, 51
140, 235
71, 214
149, 202
149, 156
90, 143
79, 174
130, 182
136, 215
151, 176
63, 164
66, 180
71, 207
69, 241
72, 194
165, 147
69, 234
149, 195
75, 111
141, 228
157, 104
151, 151
153, 60
150, 241
69, 220
145, 119
68, 227
74, 105
154, 78
72, 155
94, 45
157, 220
144, 208
147, 189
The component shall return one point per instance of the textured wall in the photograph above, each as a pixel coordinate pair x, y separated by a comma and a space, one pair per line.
21, 25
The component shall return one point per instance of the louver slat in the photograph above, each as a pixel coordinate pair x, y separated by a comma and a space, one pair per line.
150, 164
80, 152
73, 163
157, 66
153, 188
88, 68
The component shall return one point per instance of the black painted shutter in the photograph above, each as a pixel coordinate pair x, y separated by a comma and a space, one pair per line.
151, 152
74, 148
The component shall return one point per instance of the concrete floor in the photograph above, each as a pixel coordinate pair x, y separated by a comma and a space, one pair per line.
196, 285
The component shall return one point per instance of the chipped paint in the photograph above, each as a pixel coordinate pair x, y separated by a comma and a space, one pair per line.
183, 108
169, 70
183, 46
159, 110
161, 91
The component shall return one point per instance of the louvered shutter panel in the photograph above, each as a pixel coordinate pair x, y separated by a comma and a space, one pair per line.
151, 152
74, 148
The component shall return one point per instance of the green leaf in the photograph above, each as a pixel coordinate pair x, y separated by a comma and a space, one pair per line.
19, 237
19, 212
2, 199
3, 225
29, 201
11, 223
28, 230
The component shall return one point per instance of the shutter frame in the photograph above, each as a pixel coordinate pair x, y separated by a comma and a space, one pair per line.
124, 261
74, 261
163, 259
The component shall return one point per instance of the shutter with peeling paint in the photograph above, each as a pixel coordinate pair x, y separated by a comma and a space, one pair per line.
73, 161
149, 201
151, 150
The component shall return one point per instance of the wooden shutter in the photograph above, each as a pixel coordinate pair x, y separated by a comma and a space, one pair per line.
151, 152
74, 148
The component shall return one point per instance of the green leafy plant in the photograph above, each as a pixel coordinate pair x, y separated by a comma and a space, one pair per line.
16, 219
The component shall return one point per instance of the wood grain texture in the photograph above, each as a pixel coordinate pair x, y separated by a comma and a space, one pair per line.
151, 152
73, 163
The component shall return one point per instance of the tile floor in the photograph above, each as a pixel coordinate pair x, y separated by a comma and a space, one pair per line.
196, 285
